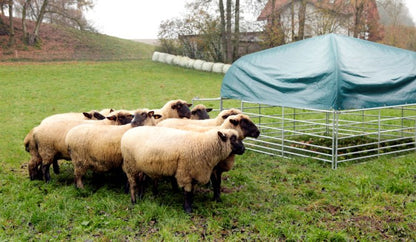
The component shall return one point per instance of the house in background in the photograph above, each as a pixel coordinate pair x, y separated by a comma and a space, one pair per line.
300, 19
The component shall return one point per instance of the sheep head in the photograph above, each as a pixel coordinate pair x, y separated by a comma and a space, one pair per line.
200, 112
120, 117
182, 108
144, 117
237, 146
242, 122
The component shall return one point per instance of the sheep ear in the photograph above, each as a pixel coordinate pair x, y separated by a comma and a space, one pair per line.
111, 110
193, 112
87, 115
157, 116
99, 116
189, 105
234, 122
150, 113
208, 110
225, 116
112, 117
222, 136
173, 106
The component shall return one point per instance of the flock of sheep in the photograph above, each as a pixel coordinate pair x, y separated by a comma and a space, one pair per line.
173, 141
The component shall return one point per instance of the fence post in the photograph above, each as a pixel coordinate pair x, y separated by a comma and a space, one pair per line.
335, 140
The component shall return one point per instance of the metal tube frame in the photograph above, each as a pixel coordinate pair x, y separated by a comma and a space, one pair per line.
382, 131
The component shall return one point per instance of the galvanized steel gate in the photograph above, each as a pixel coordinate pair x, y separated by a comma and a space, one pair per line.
331, 136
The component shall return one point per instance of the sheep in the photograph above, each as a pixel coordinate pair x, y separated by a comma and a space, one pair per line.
200, 112
187, 155
93, 115
176, 123
174, 109
49, 140
245, 128
97, 147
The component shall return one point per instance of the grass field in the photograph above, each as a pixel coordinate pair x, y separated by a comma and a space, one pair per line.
264, 198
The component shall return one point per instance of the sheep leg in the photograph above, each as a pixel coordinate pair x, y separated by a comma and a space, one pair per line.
155, 191
78, 174
34, 171
132, 182
174, 184
216, 183
142, 178
55, 166
187, 205
189, 196
133, 192
45, 171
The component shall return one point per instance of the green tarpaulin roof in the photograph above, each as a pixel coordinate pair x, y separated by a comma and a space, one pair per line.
326, 72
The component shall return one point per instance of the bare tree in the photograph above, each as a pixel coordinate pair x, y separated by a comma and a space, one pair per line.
11, 26
301, 19
236, 39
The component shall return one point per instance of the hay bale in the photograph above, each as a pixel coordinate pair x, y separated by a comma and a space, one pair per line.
190, 63
183, 61
207, 66
226, 67
162, 57
176, 59
156, 56
169, 59
198, 64
218, 67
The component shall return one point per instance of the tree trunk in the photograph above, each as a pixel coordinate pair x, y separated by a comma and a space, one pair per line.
34, 38
292, 18
236, 41
223, 36
229, 54
24, 27
359, 7
302, 18
11, 32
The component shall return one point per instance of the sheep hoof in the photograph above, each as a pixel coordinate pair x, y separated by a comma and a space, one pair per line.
188, 210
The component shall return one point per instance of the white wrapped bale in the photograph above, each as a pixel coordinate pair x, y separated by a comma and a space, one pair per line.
207, 66
169, 59
176, 59
198, 64
226, 67
190, 63
162, 57
218, 67
184, 61
155, 56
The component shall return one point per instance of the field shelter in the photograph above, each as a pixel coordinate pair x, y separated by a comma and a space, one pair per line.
331, 98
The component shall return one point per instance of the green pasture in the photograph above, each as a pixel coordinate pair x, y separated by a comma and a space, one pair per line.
265, 198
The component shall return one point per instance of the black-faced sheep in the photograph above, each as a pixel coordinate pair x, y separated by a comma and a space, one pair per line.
175, 109
187, 155
245, 128
97, 147
91, 115
200, 112
49, 140
177, 123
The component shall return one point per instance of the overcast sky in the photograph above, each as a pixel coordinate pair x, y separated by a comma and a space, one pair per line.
140, 19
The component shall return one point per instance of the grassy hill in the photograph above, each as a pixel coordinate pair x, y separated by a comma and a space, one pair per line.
60, 43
